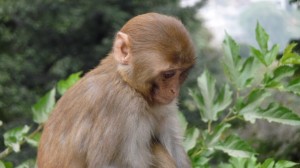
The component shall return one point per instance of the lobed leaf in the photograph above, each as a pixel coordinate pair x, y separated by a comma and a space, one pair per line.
294, 86
243, 162
262, 38
231, 60
246, 74
256, 53
64, 85
207, 102
285, 164
223, 100
271, 55
239, 71
274, 113
253, 102
214, 138
289, 57
43, 107
33, 141
269, 163
191, 137
274, 79
15, 136
236, 147
207, 83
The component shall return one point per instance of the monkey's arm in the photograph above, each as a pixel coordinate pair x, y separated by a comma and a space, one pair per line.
161, 157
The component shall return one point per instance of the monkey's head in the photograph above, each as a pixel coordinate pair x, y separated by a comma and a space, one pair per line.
154, 53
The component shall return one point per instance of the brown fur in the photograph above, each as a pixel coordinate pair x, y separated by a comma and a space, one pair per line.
162, 158
109, 117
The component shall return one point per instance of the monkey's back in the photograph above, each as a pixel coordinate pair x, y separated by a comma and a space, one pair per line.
83, 118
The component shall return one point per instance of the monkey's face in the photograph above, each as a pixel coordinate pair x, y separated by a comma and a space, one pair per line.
167, 84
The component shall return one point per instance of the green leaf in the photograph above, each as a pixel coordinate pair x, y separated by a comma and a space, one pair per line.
191, 137
289, 57
231, 59
247, 73
198, 99
253, 102
262, 38
294, 86
43, 107
64, 85
274, 113
15, 136
200, 158
208, 105
206, 83
214, 138
6, 164
271, 55
285, 164
256, 53
237, 162
224, 99
27, 164
273, 80
269, 163
239, 71
236, 147
2, 164
1, 123
33, 141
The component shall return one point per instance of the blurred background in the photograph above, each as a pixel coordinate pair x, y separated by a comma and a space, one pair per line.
43, 41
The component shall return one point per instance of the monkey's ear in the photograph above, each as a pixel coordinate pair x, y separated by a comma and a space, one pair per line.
121, 48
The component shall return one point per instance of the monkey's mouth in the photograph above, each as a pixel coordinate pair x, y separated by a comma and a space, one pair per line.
158, 97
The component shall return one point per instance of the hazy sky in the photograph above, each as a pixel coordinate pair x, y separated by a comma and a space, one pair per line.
226, 15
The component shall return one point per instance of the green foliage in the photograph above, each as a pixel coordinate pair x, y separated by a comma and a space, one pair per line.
290, 57
14, 138
43, 107
5, 164
43, 41
239, 71
249, 98
252, 163
64, 85
211, 106
235, 147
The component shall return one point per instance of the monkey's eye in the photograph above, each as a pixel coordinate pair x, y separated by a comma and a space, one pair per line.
169, 74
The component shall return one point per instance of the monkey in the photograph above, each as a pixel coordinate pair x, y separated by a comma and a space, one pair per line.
161, 157
123, 113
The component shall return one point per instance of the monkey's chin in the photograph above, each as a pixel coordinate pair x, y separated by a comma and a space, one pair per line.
163, 101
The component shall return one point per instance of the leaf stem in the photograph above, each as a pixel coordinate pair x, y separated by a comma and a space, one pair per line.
225, 119
209, 126
8, 150
229, 118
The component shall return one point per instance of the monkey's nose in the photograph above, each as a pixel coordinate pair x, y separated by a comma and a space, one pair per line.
172, 91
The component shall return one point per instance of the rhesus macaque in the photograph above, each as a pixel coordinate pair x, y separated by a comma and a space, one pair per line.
123, 114
161, 159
